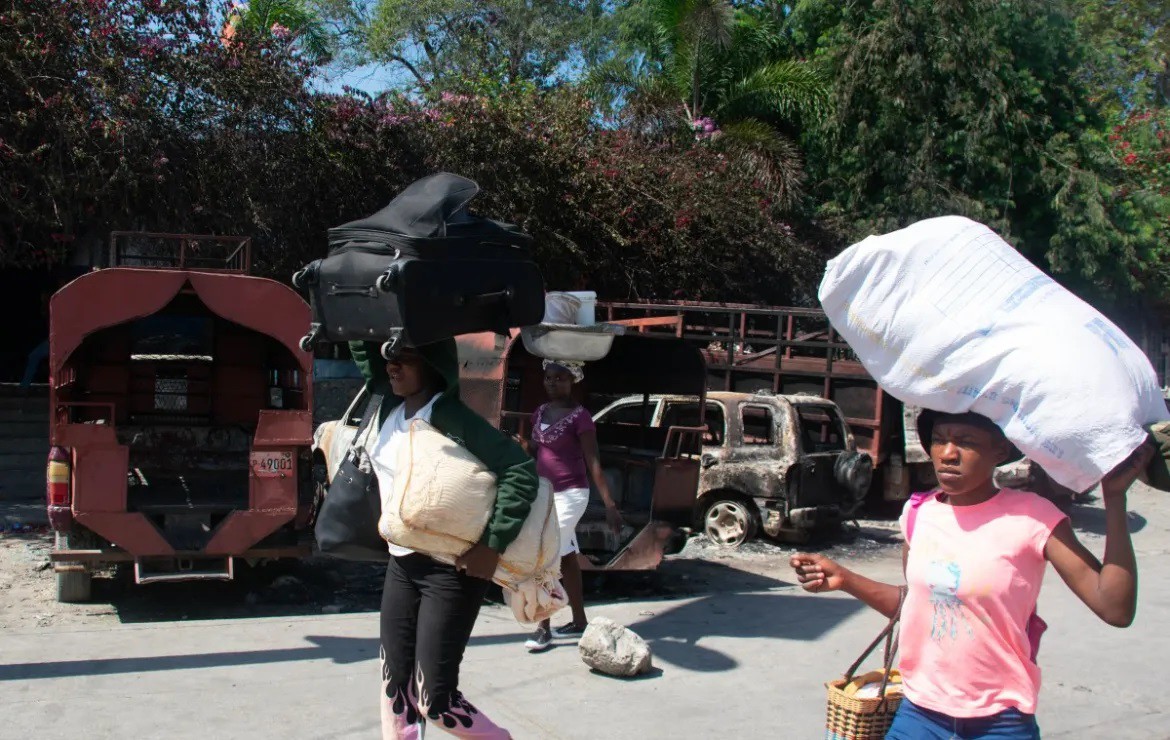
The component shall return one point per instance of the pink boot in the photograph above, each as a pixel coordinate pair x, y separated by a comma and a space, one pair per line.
401, 719
461, 718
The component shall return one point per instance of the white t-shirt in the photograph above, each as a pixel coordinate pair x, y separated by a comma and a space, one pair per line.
385, 453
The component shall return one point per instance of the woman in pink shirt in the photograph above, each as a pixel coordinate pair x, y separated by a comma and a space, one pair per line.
567, 456
974, 560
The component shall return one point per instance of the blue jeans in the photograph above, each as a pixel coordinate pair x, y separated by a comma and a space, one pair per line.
916, 723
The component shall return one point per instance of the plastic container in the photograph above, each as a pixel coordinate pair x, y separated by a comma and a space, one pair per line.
586, 312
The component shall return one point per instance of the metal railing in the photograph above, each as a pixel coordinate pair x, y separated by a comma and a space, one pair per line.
163, 251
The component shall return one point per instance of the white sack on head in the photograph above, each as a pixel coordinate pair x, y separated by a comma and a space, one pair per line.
947, 315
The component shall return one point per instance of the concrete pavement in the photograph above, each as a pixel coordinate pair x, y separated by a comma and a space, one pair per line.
745, 659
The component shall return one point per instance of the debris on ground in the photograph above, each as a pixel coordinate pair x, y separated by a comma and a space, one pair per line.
610, 648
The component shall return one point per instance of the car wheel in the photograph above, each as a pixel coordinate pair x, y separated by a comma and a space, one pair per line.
731, 522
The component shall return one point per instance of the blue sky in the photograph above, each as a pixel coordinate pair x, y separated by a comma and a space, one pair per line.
370, 78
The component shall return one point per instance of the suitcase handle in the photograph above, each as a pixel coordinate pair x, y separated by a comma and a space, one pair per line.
503, 296
363, 290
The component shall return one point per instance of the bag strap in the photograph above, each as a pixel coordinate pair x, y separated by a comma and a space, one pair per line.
372, 408
916, 502
887, 636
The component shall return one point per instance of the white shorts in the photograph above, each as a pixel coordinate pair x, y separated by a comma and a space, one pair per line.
570, 506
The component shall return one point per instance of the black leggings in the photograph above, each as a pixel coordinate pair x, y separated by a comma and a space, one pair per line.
428, 611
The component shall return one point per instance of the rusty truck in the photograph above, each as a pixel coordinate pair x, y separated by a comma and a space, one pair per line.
181, 415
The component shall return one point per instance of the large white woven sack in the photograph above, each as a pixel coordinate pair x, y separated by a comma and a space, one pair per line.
947, 315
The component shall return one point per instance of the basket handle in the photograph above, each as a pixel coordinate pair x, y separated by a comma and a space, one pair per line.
887, 636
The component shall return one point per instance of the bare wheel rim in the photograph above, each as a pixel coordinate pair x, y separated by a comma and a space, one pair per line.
727, 522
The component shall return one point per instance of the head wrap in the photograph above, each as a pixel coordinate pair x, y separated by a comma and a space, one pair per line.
572, 367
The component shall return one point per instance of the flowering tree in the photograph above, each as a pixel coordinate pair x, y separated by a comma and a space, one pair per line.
611, 210
138, 115
1142, 144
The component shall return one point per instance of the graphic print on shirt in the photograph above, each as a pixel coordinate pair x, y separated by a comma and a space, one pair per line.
950, 618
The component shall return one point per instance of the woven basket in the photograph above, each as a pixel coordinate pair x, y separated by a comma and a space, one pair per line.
850, 717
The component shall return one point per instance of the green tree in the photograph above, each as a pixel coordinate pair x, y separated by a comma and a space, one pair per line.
443, 44
721, 72
1128, 58
294, 23
975, 107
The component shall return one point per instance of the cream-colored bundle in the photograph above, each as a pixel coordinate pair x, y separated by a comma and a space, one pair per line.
442, 501
443, 495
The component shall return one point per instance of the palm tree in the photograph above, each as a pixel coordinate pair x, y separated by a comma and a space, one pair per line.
294, 22
725, 73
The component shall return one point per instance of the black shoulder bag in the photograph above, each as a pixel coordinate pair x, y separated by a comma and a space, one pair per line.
347, 525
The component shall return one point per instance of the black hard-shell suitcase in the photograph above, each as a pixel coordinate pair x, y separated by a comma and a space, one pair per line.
420, 270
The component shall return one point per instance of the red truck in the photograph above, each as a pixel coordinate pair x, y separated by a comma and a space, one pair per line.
181, 415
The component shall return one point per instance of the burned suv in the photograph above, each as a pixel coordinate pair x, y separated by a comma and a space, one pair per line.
787, 464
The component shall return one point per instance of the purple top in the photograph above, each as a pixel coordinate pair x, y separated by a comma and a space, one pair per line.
559, 456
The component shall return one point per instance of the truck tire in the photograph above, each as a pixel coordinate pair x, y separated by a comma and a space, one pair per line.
854, 472
74, 586
730, 520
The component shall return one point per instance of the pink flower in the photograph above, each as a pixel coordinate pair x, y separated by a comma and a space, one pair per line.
280, 32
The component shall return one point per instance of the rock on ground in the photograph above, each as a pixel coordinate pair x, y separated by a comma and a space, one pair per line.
612, 649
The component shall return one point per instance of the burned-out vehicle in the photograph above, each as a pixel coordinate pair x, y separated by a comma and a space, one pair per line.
786, 464
181, 415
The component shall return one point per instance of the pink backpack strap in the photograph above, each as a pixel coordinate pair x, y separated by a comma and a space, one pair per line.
916, 502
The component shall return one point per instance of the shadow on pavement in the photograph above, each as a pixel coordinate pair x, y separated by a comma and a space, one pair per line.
675, 634
338, 649
726, 603
285, 588
1087, 517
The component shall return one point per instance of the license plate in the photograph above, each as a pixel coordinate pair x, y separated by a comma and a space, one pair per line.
271, 464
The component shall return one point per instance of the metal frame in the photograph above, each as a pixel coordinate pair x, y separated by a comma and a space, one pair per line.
238, 261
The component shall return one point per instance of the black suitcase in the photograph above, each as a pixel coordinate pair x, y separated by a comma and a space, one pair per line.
420, 270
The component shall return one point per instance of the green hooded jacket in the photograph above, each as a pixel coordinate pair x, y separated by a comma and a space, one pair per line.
515, 471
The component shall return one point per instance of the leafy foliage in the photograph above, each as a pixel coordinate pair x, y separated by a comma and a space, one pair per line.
123, 114
724, 74
223, 136
445, 43
973, 107
291, 22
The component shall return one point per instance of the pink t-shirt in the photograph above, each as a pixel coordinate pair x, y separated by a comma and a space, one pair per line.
559, 457
974, 575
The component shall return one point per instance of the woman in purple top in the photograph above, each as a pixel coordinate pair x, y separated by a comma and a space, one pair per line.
565, 443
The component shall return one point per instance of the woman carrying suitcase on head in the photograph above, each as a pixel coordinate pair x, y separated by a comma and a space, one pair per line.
567, 456
429, 608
